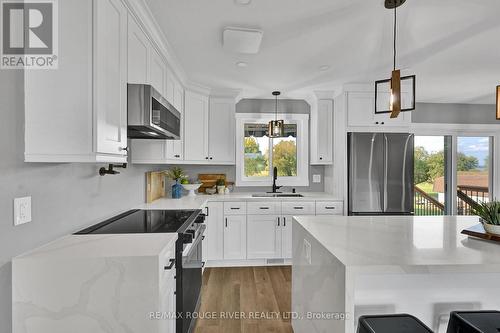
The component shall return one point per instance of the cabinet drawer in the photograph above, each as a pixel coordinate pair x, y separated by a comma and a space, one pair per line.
329, 208
235, 208
264, 208
298, 208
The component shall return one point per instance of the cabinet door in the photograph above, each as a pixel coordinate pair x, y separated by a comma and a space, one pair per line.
195, 127
286, 236
168, 302
263, 236
110, 75
360, 108
175, 148
213, 248
138, 53
158, 72
324, 132
221, 125
235, 237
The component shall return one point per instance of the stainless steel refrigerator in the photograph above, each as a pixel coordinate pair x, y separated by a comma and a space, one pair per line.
380, 173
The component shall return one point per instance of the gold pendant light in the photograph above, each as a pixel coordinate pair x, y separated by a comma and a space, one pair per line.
395, 99
276, 127
498, 102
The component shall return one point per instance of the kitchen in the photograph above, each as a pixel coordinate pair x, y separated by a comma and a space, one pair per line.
61, 126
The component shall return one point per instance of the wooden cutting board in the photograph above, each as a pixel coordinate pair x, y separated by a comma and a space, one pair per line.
210, 179
155, 185
479, 232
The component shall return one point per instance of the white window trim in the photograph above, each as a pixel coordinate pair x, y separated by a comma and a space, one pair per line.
302, 122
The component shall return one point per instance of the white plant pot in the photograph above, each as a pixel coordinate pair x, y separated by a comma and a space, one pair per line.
492, 229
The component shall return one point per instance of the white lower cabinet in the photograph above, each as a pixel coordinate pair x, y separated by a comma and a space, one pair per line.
168, 301
263, 236
235, 237
238, 230
213, 244
286, 236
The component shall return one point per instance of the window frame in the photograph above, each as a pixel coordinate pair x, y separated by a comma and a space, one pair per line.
302, 122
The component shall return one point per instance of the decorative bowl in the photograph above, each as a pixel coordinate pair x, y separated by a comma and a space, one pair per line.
191, 188
492, 229
211, 190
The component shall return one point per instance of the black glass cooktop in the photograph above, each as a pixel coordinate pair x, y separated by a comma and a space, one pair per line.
145, 221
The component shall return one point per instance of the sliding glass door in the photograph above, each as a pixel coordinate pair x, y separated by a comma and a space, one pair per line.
452, 173
473, 172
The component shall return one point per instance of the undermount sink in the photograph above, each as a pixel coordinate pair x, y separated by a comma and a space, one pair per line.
277, 195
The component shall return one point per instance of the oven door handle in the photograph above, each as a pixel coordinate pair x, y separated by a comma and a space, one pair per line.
193, 245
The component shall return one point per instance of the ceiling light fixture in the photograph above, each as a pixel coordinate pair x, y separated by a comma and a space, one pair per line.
498, 102
395, 80
276, 127
324, 68
241, 64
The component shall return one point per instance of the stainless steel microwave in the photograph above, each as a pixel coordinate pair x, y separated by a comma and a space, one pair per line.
150, 115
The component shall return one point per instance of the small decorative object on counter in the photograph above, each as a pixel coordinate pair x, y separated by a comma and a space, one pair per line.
191, 188
177, 175
221, 186
211, 190
489, 212
227, 191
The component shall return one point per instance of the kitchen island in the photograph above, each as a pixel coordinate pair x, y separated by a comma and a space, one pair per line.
347, 266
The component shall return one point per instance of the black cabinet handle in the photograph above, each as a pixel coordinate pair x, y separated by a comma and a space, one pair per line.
329, 207
177, 156
263, 207
235, 208
321, 158
382, 123
278, 221
226, 222
202, 264
298, 207
211, 158
284, 221
202, 237
206, 158
172, 263
206, 215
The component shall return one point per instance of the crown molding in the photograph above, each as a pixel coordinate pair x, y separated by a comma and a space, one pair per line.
324, 94
141, 12
197, 88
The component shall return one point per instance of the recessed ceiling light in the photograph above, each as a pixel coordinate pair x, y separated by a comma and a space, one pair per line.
324, 68
242, 2
241, 64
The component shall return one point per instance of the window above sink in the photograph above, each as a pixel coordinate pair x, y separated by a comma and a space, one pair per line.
257, 154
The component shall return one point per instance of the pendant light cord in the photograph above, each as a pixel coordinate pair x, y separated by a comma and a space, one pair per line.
276, 109
395, 32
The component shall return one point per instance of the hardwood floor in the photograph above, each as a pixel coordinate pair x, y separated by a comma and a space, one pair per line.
252, 292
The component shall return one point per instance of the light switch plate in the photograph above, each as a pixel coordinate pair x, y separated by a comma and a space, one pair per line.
22, 210
316, 178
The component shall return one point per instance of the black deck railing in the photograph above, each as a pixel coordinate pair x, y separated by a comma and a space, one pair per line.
425, 204
468, 196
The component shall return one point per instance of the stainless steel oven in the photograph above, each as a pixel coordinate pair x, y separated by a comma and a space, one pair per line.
150, 115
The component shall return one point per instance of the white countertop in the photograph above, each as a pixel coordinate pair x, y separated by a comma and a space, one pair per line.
93, 246
401, 240
201, 199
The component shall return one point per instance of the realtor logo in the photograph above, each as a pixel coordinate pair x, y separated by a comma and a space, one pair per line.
29, 34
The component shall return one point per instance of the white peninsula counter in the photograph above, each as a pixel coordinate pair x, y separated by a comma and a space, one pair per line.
388, 264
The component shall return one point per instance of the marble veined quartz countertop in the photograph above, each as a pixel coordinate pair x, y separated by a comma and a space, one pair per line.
96, 246
401, 240
201, 199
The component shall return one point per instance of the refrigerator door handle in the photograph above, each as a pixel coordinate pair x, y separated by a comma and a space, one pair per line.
386, 163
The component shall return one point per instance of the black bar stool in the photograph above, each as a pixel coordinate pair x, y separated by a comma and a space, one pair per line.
397, 323
474, 322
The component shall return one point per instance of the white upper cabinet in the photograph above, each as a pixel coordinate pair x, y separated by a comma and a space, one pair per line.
138, 53
196, 127
158, 72
110, 75
86, 122
322, 129
361, 112
175, 96
221, 135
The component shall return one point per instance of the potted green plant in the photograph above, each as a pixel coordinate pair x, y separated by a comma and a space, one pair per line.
489, 213
176, 174
221, 185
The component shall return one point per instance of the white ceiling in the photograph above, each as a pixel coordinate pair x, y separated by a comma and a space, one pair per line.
453, 46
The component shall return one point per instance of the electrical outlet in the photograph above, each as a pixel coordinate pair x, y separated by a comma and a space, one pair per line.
22, 210
316, 178
307, 251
